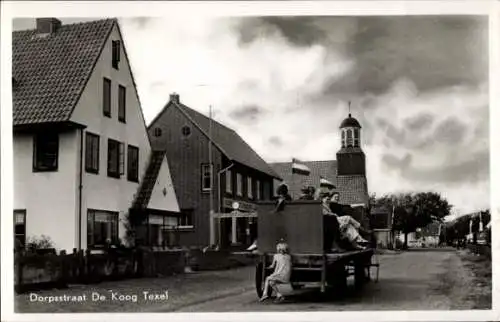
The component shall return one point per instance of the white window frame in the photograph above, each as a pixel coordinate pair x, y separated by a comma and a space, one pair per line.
239, 184
257, 190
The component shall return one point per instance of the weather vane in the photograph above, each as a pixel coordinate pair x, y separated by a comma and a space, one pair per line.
349, 108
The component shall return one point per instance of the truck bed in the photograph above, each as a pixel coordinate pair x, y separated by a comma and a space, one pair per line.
299, 260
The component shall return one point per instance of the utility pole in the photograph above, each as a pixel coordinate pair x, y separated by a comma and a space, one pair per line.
211, 167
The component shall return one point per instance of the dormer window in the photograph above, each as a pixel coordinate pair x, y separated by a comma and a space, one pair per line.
115, 53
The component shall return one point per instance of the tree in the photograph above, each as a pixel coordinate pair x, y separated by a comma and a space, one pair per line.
414, 210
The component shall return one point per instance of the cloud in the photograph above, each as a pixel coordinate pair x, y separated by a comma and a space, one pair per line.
418, 86
276, 141
247, 114
419, 122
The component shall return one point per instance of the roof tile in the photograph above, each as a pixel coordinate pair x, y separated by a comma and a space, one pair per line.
50, 72
325, 169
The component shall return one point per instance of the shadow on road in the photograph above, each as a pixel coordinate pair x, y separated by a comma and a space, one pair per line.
387, 291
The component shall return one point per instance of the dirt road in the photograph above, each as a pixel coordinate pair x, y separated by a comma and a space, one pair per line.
414, 280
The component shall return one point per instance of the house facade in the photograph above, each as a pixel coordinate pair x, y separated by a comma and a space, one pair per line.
240, 176
81, 148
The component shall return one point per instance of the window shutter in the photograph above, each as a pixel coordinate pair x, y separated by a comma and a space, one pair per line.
122, 158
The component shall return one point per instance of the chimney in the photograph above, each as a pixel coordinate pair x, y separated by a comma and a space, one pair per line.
174, 98
47, 25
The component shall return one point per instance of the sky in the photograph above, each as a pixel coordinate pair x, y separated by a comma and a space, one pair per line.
417, 84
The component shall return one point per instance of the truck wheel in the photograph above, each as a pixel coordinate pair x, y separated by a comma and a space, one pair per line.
259, 281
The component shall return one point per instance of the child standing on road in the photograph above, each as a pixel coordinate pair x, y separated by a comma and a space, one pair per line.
282, 264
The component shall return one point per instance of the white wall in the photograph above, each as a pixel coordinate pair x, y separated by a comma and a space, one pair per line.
159, 200
100, 191
49, 198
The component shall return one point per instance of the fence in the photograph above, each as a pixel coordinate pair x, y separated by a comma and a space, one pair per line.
35, 271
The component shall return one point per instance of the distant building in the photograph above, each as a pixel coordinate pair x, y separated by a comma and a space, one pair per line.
347, 173
241, 177
381, 224
81, 148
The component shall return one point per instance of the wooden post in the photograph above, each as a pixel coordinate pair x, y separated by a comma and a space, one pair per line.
63, 280
264, 270
212, 228
19, 267
323, 274
233, 231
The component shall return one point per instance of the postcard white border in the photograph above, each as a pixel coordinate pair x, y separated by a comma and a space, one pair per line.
12, 9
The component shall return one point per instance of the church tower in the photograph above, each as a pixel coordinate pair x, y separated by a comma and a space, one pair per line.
350, 157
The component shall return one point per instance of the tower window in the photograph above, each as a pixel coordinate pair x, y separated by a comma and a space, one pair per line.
349, 138
356, 137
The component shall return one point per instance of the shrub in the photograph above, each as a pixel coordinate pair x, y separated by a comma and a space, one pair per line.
42, 242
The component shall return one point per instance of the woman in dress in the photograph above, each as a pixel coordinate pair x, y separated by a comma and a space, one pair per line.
348, 226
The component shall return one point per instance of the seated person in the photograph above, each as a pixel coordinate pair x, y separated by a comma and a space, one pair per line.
283, 195
282, 264
348, 226
308, 193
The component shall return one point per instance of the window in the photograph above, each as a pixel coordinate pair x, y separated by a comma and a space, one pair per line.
258, 193
92, 153
133, 163
46, 150
249, 187
343, 138
186, 130
349, 137
229, 181
267, 191
115, 53
102, 227
106, 97
356, 137
115, 158
186, 219
122, 102
160, 230
239, 184
157, 132
206, 182
20, 227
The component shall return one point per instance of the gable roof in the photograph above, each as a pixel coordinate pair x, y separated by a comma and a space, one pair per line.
226, 140
149, 180
51, 71
325, 169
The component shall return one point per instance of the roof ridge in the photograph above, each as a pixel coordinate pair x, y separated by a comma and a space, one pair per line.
181, 106
70, 24
213, 120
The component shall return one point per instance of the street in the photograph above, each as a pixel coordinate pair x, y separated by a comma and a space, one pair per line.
415, 280
439, 279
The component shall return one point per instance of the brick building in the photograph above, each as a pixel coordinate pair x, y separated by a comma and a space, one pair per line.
241, 177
